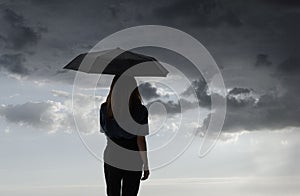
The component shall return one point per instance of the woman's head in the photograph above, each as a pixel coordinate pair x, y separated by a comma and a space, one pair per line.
117, 98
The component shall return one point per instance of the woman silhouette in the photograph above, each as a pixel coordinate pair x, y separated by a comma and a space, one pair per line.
125, 155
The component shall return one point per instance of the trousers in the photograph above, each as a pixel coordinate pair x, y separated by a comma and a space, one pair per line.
118, 180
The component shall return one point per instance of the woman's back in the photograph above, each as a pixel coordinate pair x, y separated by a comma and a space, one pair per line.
113, 130
122, 149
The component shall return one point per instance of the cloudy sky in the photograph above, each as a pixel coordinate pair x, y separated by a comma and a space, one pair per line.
255, 45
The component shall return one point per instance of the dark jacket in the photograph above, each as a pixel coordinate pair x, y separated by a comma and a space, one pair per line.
111, 128
116, 136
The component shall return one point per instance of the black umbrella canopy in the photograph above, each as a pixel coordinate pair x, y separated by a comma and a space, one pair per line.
116, 62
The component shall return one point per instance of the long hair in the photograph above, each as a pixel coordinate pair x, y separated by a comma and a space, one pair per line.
114, 97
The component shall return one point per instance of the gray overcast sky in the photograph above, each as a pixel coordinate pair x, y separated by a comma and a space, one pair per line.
255, 44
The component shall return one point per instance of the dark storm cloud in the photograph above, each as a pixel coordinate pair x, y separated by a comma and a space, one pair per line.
269, 113
268, 28
152, 95
205, 13
240, 97
84, 23
263, 60
204, 98
14, 63
237, 90
28, 113
271, 110
289, 3
171, 107
290, 66
17, 41
288, 72
16, 34
199, 87
148, 91
175, 107
2, 42
70, 27
49, 3
234, 103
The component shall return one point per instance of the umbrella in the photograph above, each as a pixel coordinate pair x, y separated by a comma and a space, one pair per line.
116, 62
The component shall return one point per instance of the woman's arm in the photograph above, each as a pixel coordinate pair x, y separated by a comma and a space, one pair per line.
141, 141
